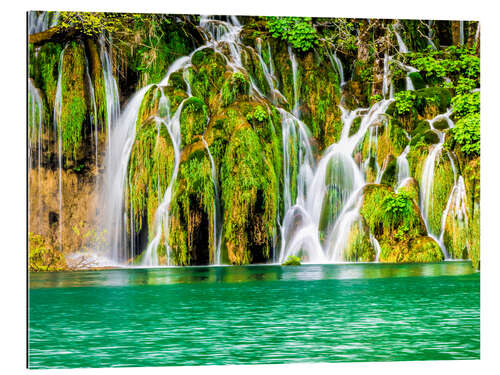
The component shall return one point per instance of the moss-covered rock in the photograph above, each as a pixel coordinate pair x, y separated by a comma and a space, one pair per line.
417, 80
410, 188
359, 247
249, 192
389, 171
192, 212
395, 221
74, 105
207, 74
193, 120
234, 87
149, 172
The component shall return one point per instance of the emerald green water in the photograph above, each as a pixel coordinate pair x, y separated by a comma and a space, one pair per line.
253, 315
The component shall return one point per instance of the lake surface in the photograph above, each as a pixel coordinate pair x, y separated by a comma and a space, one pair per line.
254, 315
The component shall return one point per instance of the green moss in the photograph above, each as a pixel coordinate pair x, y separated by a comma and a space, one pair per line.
441, 188
390, 171
249, 192
292, 260
207, 75
45, 70
395, 220
417, 80
419, 250
74, 106
411, 189
233, 87
431, 101
192, 212
359, 247
193, 120
149, 171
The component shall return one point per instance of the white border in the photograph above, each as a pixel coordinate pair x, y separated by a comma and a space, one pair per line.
12, 148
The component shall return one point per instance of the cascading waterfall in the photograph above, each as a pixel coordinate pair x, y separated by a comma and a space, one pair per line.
293, 60
173, 126
337, 64
401, 43
116, 163
462, 39
41, 21
430, 34
217, 219
57, 135
122, 139
321, 198
427, 180
456, 206
111, 90
35, 131
329, 205
403, 167
93, 115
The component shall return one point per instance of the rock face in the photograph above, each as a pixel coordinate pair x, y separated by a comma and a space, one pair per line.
395, 221
211, 188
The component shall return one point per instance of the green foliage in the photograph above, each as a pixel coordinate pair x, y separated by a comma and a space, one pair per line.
466, 104
467, 134
398, 209
340, 33
292, 260
258, 115
453, 63
298, 31
42, 257
404, 101
94, 24
375, 98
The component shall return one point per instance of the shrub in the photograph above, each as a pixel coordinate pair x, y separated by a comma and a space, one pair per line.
42, 257
467, 134
298, 31
404, 101
292, 260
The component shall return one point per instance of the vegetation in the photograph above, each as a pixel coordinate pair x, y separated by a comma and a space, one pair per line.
298, 31
292, 260
236, 111
43, 257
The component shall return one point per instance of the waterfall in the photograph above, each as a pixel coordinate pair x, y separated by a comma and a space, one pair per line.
403, 166
293, 60
116, 164
337, 65
456, 206
57, 134
462, 39
217, 220
111, 90
173, 126
401, 44
35, 133
427, 180
93, 115
335, 186
376, 246
41, 21
386, 81
430, 34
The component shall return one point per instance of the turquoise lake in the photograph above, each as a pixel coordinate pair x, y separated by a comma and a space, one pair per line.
254, 315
